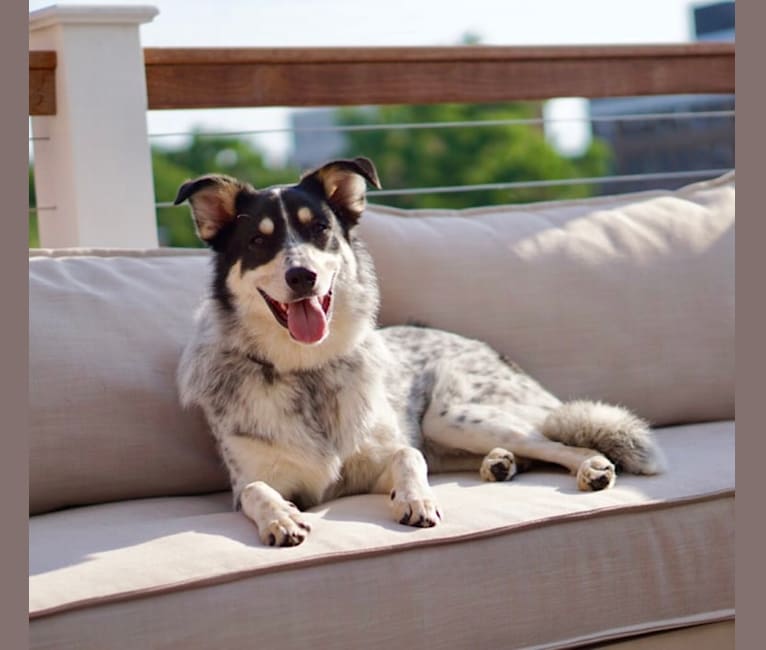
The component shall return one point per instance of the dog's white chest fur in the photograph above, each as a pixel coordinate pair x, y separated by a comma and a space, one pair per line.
311, 434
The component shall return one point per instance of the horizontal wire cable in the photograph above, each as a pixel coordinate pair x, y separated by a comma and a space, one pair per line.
532, 184
630, 117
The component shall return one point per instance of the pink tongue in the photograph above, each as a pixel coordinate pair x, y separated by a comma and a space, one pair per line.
306, 320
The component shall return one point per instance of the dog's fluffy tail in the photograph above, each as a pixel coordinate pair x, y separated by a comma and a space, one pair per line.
622, 437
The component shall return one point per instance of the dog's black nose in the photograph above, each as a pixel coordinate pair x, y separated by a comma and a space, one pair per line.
300, 279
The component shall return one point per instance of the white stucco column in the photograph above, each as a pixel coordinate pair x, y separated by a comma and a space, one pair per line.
94, 166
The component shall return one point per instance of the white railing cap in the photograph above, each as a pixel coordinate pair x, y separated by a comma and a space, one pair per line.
90, 15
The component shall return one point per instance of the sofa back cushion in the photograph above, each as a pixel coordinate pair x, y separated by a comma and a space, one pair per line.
628, 298
105, 333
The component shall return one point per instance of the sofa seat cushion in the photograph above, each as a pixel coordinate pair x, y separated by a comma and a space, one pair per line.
560, 566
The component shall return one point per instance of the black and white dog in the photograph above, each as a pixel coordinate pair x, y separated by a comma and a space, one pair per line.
308, 401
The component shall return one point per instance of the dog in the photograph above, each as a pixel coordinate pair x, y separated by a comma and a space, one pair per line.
308, 400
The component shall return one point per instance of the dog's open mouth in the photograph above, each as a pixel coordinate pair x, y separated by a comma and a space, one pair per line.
305, 319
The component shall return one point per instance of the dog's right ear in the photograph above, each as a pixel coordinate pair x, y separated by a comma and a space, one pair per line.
213, 202
344, 184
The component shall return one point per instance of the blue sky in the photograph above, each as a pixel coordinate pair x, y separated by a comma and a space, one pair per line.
295, 23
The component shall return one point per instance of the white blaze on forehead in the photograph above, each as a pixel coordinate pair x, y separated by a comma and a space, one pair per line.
304, 215
266, 226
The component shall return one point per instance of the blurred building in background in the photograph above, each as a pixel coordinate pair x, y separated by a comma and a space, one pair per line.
714, 22
675, 144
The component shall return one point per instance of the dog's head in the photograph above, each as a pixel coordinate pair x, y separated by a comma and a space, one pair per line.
281, 252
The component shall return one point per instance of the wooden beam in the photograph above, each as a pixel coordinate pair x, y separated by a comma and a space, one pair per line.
242, 77
42, 83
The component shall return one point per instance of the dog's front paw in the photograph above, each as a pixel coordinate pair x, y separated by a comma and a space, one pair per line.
415, 510
498, 465
279, 522
596, 473
285, 528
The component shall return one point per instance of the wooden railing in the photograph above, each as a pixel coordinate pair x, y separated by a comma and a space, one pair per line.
248, 77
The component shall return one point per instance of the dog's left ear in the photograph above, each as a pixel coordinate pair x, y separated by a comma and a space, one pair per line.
213, 202
343, 183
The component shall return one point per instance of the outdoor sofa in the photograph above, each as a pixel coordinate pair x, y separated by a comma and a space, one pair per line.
628, 299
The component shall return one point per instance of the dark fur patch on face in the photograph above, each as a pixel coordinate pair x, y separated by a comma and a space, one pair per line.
311, 219
259, 231
253, 238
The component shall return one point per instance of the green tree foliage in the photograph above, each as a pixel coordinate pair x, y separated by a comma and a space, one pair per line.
410, 158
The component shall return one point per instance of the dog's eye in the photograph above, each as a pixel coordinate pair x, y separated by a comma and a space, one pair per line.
256, 241
320, 227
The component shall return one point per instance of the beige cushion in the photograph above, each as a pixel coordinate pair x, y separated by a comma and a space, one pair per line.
105, 334
554, 565
629, 298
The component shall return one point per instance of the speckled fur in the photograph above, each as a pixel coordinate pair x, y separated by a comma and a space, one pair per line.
369, 410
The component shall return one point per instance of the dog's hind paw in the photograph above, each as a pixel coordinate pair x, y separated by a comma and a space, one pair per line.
596, 473
498, 465
419, 512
